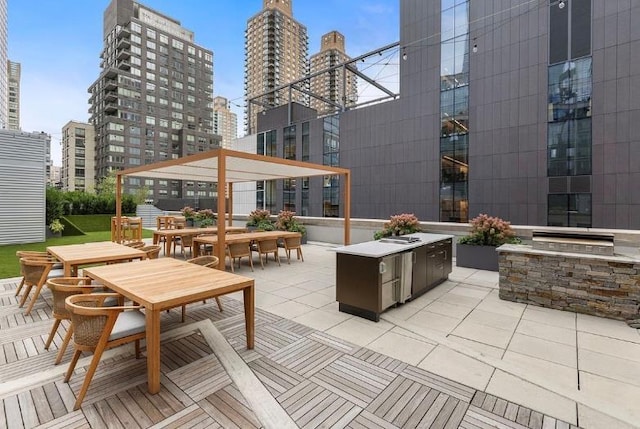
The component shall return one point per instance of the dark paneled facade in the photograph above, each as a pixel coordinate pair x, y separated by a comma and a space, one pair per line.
537, 155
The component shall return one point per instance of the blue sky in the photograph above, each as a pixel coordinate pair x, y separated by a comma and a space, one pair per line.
58, 44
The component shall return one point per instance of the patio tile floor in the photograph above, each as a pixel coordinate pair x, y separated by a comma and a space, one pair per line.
492, 364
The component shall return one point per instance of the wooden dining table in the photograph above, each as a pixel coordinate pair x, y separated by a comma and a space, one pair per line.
170, 234
74, 255
253, 236
161, 284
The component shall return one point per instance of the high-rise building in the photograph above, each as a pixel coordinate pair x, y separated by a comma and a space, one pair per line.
13, 108
153, 99
78, 152
55, 177
225, 122
276, 48
4, 48
337, 84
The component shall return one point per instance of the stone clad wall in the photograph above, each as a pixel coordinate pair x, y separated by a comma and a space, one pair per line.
579, 283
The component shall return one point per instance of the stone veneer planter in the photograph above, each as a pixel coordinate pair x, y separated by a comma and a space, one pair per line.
606, 286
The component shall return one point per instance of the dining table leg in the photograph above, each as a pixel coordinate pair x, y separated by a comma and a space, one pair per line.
168, 240
249, 313
153, 350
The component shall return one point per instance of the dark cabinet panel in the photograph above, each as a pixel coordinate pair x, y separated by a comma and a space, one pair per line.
419, 279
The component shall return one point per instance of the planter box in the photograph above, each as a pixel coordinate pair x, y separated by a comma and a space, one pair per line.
478, 257
50, 234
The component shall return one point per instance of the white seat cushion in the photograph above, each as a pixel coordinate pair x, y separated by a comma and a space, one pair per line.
55, 273
128, 323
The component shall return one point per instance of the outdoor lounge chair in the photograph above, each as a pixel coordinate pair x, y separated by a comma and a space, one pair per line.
36, 271
293, 243
209, 262
265, 247
97, 328
61, 288
239, 250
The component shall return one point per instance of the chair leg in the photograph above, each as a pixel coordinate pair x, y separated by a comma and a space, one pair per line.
184, 311
19, 288
137, 349
276, 257
97, 354
25, 295
54, 328
299, 250
288, 252
72, 364
251, 261
260, 256
36, 294
219, 303
65, 343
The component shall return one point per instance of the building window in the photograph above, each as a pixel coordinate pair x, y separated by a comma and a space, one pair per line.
454, 111
289, 147
330, 156
572, 210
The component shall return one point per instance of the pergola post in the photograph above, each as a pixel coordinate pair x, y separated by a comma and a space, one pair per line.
118, 208
230, 184
347, 208
222, 167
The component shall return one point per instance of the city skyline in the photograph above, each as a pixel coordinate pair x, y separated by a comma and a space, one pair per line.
59, 46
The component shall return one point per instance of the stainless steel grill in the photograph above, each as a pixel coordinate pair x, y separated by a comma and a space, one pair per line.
574, 242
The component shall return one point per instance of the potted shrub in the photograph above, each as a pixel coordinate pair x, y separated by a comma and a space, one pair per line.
189, 215
286, 221
478, 249
204, 218
260, 219
55, 228
400, 224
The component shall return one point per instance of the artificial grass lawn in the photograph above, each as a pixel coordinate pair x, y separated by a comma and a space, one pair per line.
10, 266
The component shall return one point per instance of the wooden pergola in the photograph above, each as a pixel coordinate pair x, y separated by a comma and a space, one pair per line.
227, 167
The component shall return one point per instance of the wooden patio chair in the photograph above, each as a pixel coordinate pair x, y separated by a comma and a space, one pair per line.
293, 243
265, 247
56, 270
207, 249
184, 241
136, 244
97, 328
209, 262
152, 251
36, 272
61, 288
239, 250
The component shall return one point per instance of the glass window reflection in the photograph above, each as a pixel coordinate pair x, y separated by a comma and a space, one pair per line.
570, 90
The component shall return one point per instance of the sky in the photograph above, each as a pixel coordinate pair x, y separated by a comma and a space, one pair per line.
58, 44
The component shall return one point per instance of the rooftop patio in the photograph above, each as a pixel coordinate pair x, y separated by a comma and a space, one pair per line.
457, 356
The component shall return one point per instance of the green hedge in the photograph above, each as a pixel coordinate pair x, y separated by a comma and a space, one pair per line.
90, 223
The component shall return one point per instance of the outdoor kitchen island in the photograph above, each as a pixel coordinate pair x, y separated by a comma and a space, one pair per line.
376, 275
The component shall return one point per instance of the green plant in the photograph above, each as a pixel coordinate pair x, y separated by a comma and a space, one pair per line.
205, 217
265, 225
188, 212
489, 231
405, 223
286, 221
56, 226
259, 217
